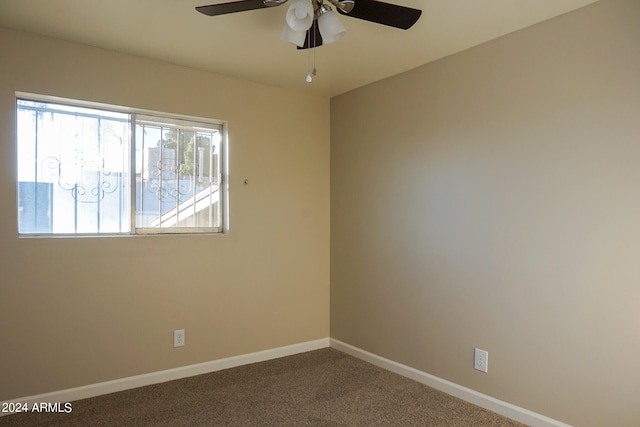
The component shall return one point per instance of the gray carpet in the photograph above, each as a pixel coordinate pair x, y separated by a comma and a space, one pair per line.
319, 388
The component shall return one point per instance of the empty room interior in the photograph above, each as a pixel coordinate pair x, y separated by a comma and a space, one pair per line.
487, 197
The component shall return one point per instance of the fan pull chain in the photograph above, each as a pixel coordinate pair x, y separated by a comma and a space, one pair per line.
311, 73
314, 72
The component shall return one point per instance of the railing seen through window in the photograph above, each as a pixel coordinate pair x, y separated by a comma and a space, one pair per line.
95, 171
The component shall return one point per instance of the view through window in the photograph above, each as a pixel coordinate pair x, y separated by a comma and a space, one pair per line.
98, 171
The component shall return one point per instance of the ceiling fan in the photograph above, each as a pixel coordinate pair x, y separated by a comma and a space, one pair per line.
310, 22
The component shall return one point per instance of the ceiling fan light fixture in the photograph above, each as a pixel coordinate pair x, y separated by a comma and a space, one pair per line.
345, 6
330, 26
292, 36
300, 15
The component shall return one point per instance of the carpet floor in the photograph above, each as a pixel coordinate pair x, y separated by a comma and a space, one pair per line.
318, 388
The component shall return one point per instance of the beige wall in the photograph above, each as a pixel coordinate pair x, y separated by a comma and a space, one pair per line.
492, 200
80, 311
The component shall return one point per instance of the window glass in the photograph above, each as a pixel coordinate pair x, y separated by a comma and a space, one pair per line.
177, 174
84, 171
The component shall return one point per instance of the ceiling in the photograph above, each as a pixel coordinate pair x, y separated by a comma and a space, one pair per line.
248, 45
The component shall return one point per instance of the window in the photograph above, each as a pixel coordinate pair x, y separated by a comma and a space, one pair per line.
99, 171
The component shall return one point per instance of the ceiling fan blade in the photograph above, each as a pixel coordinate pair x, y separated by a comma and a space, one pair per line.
379, 12
313, 38
231, 7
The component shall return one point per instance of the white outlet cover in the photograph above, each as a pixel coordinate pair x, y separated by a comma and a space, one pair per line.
178, 338
481, 360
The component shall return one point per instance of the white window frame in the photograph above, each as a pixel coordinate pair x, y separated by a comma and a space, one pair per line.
134, 113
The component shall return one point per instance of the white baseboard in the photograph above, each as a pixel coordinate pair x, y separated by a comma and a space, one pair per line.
498, 406
121, 384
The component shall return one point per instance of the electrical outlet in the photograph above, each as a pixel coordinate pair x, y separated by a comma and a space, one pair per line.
481, 360
178, 338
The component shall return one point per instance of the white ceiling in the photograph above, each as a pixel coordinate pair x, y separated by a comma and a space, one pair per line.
248, 45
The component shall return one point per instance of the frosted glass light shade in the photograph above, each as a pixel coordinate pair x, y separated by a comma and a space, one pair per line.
300, 15
330, 26
293, 36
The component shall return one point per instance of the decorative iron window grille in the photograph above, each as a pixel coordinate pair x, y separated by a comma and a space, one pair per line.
85, 170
